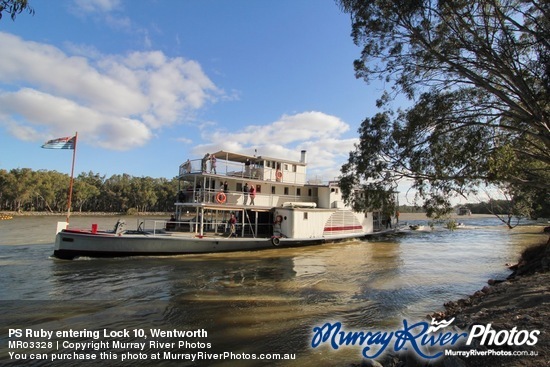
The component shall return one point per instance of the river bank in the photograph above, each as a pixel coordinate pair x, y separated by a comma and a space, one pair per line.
521, 301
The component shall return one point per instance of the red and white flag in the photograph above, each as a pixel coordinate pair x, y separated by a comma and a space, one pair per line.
61, 143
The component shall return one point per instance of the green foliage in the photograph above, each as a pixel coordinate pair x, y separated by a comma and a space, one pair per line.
477, 74
14, 7
22, 189
451, 224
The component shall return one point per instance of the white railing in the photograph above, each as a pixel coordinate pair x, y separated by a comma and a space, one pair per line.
240, 170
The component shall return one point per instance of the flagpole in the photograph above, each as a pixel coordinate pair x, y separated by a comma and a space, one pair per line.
71, 182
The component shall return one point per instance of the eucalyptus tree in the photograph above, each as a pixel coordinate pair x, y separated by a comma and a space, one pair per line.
477, 75
46, 190
21, 187
117, 193
166, 193
14, 7
143, 193
87, 191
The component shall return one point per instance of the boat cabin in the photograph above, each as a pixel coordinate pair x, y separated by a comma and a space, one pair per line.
218, 184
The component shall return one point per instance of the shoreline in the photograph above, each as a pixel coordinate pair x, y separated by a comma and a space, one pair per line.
520, 301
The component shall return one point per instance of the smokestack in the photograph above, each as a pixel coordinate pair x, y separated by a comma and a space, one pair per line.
303, 157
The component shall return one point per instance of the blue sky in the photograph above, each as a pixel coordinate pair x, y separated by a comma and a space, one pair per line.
150, 83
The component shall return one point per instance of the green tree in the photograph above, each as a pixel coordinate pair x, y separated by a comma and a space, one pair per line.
14, 7
477, 74
45, 190
142, 192
4, 198
21, 186
87, 188
117, 193
166, 191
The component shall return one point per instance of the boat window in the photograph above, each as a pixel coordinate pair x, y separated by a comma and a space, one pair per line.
286, 190
306, 215
239, 187
299, 191
309, 192
258, 189
273, 189
286, 167
293, 168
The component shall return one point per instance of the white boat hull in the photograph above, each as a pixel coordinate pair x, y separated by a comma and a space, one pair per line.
77, 243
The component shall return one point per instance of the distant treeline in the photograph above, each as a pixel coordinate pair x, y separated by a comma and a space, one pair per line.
540, 209
410, 209
493, 207
498, 207
23, 189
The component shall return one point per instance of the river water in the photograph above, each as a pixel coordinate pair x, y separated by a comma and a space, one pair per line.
245, 303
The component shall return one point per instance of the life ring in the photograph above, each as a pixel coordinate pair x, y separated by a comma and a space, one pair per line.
279, 219
275, 241
221, 198
279, 175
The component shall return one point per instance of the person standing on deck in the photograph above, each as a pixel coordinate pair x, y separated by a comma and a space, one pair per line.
388, 221
213, 164
233, 226
245, 193
203, 162
187, 166
252, 194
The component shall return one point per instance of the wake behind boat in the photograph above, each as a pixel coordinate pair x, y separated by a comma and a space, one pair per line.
233, 202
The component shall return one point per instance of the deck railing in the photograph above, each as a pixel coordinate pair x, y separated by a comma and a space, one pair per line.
211, 196
240, 170
213, 225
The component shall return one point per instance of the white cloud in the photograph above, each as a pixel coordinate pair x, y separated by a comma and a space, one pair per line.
59, 117
110, 13
118, 100
97, 6
318, 133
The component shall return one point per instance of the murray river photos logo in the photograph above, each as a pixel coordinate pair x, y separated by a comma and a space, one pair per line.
427, 340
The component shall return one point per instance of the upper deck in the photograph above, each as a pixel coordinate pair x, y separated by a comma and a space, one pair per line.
244, 166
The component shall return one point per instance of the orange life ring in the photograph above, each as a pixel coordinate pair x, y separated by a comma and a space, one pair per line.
279, 175
221, 198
